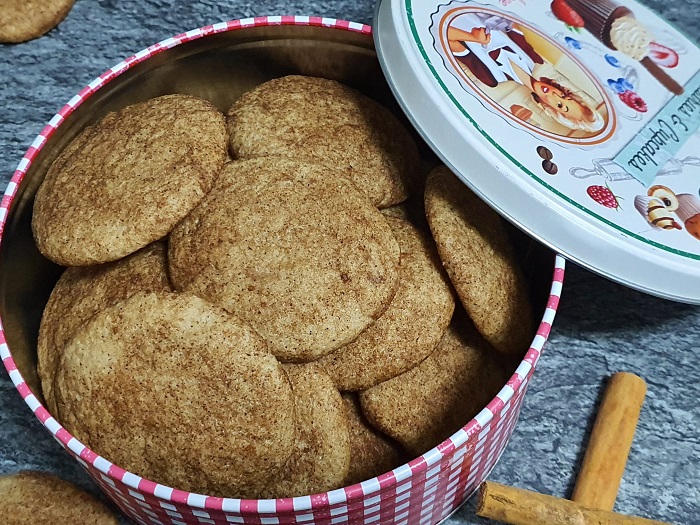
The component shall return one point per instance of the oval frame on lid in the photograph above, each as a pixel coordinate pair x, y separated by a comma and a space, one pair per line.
599, 137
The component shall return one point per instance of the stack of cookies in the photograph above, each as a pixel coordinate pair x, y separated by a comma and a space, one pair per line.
308, 315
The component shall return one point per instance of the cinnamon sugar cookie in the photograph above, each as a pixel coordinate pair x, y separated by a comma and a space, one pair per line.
22, 20
30, 498
302, 256
324, 121
125, 181
180, 392
81, 292
321, 456
371, 452
409, 329
430, 402
475, 249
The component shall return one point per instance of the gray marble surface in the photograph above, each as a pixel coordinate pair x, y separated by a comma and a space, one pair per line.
601, 327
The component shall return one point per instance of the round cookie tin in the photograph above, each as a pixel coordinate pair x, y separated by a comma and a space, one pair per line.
219, 62
576, 120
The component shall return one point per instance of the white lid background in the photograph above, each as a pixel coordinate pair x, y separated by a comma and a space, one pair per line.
475, 131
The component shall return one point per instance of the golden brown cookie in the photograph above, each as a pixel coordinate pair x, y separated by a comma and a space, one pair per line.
323, 120
409, 329
426, 405
301, 255
82, 291
321, 456
412, 210
31, 498
475, 249
400, 211
371, 453
178, 391
128, 179
22, 20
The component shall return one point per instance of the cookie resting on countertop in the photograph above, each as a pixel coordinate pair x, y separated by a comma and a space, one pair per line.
31, 497
180, 392
409, 329
321, 456
82, 291
127, 180
426, 405
22, 20
300, 254
475, 249
324, 121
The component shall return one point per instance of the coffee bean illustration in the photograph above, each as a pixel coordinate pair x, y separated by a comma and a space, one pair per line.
549, 167
544, 152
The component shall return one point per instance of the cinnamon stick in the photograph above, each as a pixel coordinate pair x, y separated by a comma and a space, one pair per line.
523, 507
609, 446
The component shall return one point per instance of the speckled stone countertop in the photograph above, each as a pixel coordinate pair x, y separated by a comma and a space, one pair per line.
601, 327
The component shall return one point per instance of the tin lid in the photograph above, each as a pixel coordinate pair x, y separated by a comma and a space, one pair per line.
577, 120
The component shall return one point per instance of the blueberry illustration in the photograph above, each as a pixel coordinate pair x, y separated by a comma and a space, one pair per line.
612, 60
616, 86
625, 84
572, 43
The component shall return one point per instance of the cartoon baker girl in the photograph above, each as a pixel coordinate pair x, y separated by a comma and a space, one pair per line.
495, 52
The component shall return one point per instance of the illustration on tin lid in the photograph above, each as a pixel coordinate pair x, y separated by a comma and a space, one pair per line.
598, 104
524, 75
661, 206
616, 27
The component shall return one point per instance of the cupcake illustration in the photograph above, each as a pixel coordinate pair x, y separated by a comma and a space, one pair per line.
661, 204
658, 207
616, 26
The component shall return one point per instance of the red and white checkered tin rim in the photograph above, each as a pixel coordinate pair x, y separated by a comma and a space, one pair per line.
386, 498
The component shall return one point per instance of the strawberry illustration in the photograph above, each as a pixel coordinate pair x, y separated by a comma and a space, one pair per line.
566, 13
662, 55
604, 196
633, 100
